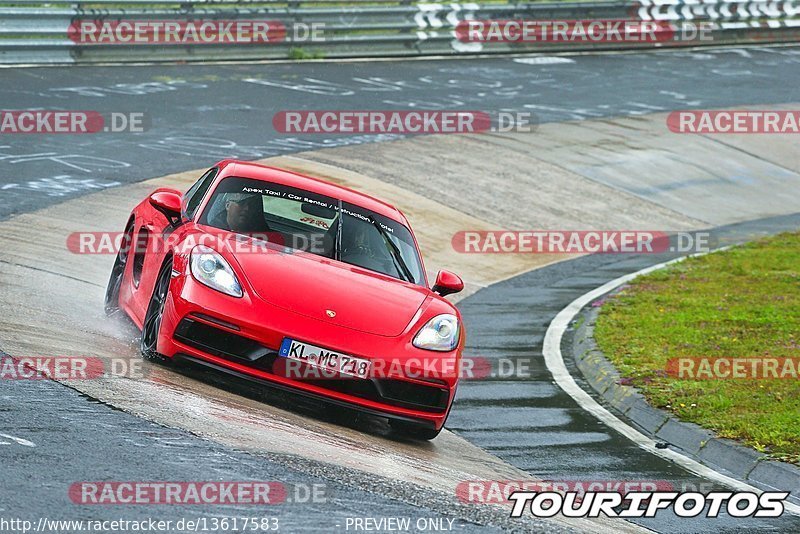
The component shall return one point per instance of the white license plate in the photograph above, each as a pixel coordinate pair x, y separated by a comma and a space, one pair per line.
325, 359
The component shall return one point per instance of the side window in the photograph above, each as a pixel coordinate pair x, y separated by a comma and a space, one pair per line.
194, 196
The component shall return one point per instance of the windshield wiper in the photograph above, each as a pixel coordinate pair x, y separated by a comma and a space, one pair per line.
400, 264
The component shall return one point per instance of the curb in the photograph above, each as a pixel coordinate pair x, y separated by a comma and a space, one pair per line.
724, 455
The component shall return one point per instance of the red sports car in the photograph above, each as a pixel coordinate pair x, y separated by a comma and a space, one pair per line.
297, 283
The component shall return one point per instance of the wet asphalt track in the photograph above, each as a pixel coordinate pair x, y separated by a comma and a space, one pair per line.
79, 439
201, 114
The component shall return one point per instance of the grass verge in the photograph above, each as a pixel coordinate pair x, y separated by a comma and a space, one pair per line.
739, 303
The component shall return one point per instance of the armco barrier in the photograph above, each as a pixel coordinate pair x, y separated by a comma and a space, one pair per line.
38, 32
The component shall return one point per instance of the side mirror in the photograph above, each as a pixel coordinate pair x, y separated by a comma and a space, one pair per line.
168, 203
447, 283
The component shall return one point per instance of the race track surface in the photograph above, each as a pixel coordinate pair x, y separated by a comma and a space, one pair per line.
599, 159
201, 114
76, 438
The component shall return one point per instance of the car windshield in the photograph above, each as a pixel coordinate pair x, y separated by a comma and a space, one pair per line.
303, 221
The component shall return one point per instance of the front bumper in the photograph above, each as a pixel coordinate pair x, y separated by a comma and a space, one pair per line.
241, 336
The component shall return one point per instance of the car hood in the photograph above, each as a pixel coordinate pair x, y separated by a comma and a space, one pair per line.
315, 286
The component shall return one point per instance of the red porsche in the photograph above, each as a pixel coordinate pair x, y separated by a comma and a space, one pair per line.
296, 283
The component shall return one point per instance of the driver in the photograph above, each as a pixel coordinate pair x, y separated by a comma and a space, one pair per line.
243, 214
362, 245
359, 242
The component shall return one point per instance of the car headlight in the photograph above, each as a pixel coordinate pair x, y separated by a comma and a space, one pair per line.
440, 333
211, 269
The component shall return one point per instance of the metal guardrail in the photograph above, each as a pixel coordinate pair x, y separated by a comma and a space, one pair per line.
39, 32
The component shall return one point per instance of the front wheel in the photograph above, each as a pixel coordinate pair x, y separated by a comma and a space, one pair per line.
155, 312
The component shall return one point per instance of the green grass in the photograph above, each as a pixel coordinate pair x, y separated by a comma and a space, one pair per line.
302, 53
744, 303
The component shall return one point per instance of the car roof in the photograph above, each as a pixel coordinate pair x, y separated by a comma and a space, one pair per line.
257, 171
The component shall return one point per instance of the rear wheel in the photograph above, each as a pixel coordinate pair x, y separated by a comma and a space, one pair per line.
155, 312
118, 272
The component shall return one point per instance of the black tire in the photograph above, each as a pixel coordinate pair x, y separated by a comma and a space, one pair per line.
413, 430
155, 312
118, 272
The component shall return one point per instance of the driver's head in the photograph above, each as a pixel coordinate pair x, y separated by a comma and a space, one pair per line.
243, 211
360, 238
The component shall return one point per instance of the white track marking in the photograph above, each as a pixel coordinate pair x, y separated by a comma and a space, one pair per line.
543, 60
555, 364
15, 439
